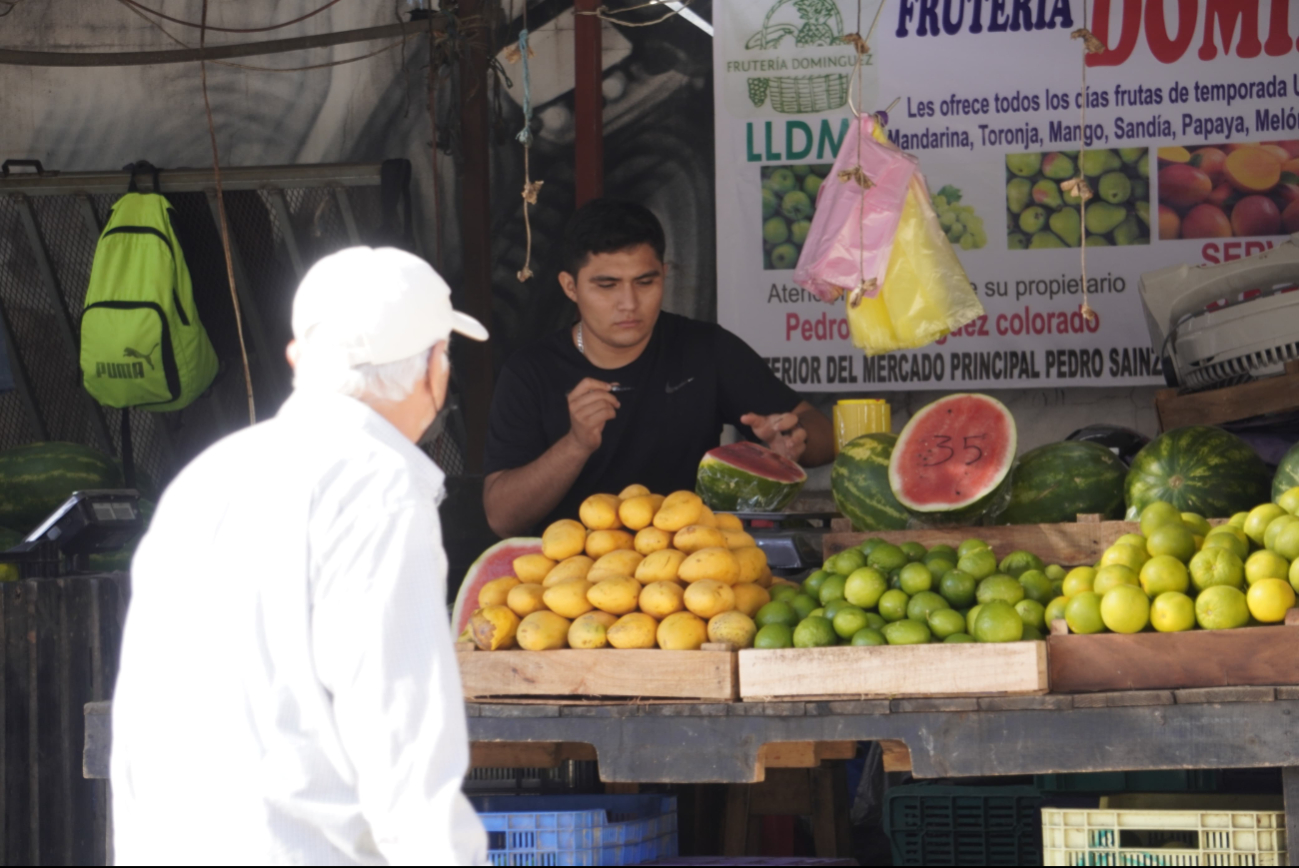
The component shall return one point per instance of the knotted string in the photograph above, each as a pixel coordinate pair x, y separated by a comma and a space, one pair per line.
530, 187
1079, 186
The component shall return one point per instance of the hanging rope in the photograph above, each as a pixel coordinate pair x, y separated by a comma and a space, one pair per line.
857, 174
1078, 185
530, 187
604, 14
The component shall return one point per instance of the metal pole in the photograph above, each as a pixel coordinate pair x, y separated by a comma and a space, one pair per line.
588, 102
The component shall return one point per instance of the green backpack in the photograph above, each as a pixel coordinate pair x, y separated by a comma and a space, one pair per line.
142, 344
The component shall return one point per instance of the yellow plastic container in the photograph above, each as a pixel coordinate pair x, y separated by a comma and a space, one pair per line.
857, 416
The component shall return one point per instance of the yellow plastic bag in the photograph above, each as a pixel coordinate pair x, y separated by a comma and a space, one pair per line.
926, 293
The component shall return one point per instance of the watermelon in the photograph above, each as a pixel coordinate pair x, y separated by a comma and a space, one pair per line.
36, 478
9, 539
495, 563
1287, 473
746, 477
1059, 481
952, 459
1198, 469
859, 482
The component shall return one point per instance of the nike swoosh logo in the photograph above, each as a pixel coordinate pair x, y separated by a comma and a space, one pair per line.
669, 388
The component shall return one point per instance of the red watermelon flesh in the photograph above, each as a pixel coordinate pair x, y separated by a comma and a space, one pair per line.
953, 455
495, 563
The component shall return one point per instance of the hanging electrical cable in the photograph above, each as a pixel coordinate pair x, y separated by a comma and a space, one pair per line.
604, 13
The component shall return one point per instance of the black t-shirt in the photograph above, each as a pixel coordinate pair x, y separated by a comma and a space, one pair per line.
692, 378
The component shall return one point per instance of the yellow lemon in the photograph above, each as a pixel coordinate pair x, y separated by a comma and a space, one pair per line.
1158, 514
1164, 573
1175, 540
1259, 518
661, 599
636, 630
1172, 612
1112, 576
1125, 609
1078, 580
1125, 556
1270, 599
1264, 564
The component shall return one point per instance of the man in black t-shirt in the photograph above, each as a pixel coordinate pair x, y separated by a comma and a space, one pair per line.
627, 394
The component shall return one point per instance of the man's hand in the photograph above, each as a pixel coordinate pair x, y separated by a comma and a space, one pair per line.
591, 404
782, 432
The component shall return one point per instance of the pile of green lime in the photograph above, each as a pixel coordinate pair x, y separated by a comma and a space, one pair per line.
788, 203
884, 594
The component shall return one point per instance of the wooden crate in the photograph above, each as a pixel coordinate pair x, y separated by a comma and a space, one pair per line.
1167, 661
578, 676
896, 671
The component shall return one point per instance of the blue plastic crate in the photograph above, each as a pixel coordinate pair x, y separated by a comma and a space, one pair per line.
578, 830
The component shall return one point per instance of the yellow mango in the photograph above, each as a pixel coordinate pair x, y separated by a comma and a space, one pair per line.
636, 630
633, 490
738, 539
526, 598
601, 542
532, 568
660, 566
493, 627
568, 599
638, 512
493, 593
766, 579
734, 628
563, 539
680, 509
618, 596
576, 567
707, 598
729, 521
717, 564
695, 537
542, 631
621, 562
753, 563
651, 540
600, 512
661, 599
706, 518
750, 598
590, 630
684, 631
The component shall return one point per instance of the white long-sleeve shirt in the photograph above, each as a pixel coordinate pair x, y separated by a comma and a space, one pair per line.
288, 691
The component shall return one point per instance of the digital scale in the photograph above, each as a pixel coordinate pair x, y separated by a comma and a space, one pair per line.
87, 523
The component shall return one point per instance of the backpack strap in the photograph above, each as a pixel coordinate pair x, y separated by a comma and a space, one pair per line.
142, 166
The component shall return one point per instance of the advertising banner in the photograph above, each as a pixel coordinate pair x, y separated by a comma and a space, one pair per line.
1191, 138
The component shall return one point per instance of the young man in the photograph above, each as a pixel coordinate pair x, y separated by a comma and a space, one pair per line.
288, 629
628, 394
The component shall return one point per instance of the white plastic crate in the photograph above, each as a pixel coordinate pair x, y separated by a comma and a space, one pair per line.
1163, 830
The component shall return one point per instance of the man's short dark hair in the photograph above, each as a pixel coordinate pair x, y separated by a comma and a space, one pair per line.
607, 226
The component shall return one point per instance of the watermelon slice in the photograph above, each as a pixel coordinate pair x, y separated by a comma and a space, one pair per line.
953, 458
495, 563
746, 477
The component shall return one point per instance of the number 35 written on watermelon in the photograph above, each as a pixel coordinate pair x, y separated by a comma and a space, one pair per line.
941, 444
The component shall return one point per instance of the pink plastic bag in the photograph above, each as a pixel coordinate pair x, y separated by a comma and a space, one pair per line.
857, 212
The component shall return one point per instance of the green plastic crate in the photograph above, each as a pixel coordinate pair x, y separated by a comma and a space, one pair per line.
948, 825
1168, 781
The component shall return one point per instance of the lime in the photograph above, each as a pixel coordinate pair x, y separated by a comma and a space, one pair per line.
1289, 500
970, 617
959, 638
870, 545
868, 636
1217, 566
893, 605
874, 621
835, 607
957, 588
820, 613
1229, 538
1287, 541
907, 632
1080, 579
814, 633
864, 587
780, 593
1032, 613
1294, 575
1269, 600
895, 580
922, 604
971, 545
1135, 540
1157, 515
888, 557
943, 550
1055, 610
999, 587
1017, 563
1264, 564
1083, 613
802, 604
939, 567
1125, 609
1172, 612
774, 636
1125, 556
1056, 573
1277, 525
1172, 539
1164, 573
1238, 520
812, 584
832, 589
1031, 634
1221, 607
848, 620
777, 612
846, 561
980, 563
1113, 576
945, 622
1036, 586
1259, 518
998, 622
914, 578
914, 551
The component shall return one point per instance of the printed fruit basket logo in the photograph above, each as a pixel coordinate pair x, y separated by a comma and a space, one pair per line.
818, 24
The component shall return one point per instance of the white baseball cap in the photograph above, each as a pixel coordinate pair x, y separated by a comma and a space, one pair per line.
374, 306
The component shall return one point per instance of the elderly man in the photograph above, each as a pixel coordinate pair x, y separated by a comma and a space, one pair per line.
288, 691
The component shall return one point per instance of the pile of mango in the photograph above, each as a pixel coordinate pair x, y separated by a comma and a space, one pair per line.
639, 570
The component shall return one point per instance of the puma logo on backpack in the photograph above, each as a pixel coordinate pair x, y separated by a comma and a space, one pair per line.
142, 344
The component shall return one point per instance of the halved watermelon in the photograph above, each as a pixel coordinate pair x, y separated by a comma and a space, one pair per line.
495, 563
746, 477
952, 459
